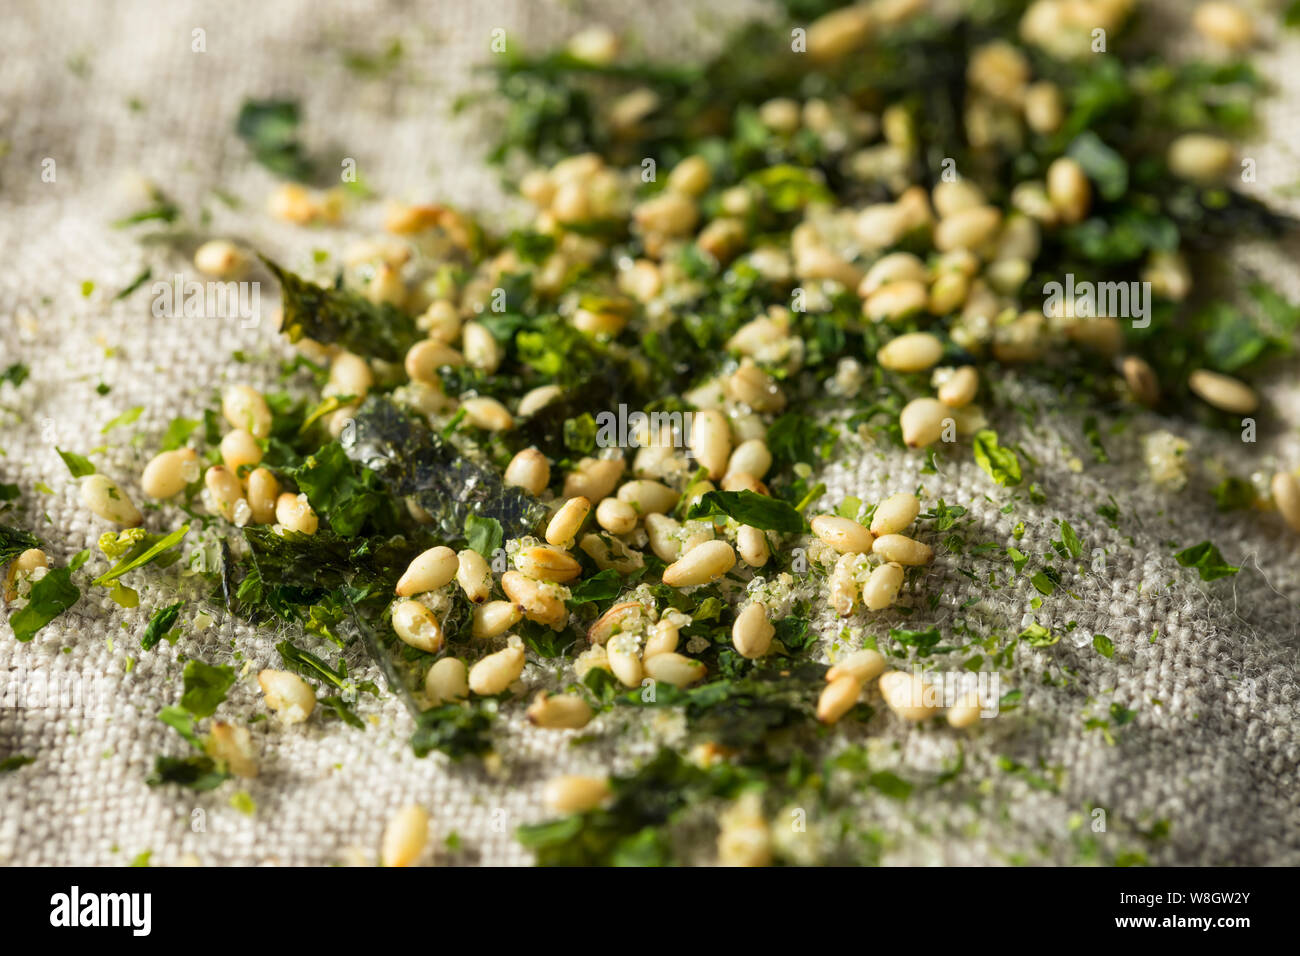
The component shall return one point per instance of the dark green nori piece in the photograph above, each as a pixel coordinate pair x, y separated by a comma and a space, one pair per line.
413, 461
342, 317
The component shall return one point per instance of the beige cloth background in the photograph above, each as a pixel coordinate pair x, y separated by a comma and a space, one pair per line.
1218, 758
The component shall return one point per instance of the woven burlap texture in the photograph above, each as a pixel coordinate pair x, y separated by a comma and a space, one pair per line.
107, 90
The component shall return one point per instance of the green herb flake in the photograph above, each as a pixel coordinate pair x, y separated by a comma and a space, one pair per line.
1001, 464
270, 128
1035, 635
1092, 434
1121, 715
598, 587
134, 284
1071, 540
242, 801
197, 772
79, 465
1104, 166
748, 507
160, 625
126, 418
456, 730
50, 596
1207, 560
205, 687
178, 433
924, 641
1043, 583
484, 535
891, 785
1233, 494
342, 492
1110, 512
15, 374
